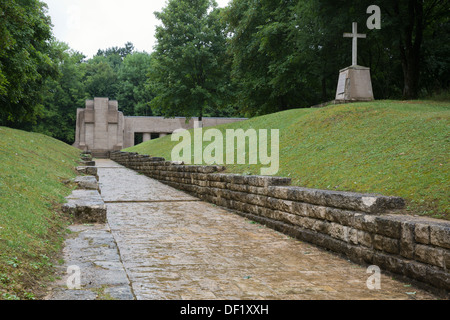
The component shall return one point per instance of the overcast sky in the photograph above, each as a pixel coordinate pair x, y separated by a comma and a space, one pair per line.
89, 25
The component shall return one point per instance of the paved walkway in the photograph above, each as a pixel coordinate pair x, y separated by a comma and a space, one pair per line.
174, 246
163, 244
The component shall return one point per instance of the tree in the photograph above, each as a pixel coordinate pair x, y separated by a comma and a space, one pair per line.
63, 96
115, 55
121, 52
25, 60
100, 79
188, 73
133, 93
413, 18
102, 71
269, 69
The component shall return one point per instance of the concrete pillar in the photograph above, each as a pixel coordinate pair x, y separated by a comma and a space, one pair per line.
147, 137
162, 135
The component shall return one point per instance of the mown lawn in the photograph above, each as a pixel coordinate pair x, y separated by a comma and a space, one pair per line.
396, 148
32, 168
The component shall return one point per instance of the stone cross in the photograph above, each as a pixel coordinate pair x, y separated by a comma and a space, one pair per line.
355, 35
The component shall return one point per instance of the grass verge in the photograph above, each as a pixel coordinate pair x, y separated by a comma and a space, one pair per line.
32, 168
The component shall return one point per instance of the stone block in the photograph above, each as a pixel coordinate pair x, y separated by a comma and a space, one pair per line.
369, 203
87, 170
301, 209
364, 238
265, 181
440, 234
388, 227
343, 217
407, 243
85, 206
416, 270
339, 231
353, 236
322, 226
218, 184
390, 245
357, 220
309, 210
365, 254
87, 183
293, 219
389, 262
447, 260
422, 233
307, 223
385, 244
365, 222
255, 181
281, 193
430, 255
333, 244
438, 278
378, 242
87, 163
318, 212
278, 204
218, 177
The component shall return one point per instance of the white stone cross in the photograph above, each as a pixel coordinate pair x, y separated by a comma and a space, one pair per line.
355, 35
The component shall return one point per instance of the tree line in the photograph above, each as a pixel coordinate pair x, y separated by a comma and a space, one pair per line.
247, 59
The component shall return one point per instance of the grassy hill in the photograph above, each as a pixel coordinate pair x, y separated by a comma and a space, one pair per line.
390, 147
32, 167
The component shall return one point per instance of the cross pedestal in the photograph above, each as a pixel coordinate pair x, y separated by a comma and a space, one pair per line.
355, 83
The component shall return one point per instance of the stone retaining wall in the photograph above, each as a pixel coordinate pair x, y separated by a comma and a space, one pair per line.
363, 227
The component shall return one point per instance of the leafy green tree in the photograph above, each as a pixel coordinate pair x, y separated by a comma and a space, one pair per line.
189, 75
102, 71
133, 93
25, 61
100, 79
115, 55
63, 96
413, 23
268, 69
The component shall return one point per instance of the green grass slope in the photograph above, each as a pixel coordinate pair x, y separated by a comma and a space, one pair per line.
396, 148
32, 167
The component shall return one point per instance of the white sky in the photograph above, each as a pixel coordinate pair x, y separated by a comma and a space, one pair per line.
89, 25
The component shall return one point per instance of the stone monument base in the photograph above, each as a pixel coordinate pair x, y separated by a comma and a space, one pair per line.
354, 84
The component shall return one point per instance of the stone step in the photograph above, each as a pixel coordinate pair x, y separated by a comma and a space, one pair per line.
87, 183
85, 206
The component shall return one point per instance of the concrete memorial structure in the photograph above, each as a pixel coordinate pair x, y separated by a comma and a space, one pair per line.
102, 128
354, 83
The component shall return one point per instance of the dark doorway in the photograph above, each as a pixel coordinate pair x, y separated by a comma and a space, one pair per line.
138, 138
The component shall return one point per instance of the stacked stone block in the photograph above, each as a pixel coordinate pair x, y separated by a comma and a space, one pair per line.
366, 228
